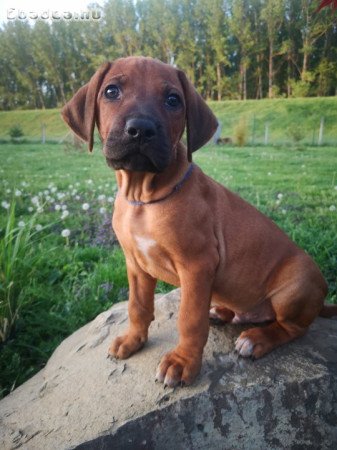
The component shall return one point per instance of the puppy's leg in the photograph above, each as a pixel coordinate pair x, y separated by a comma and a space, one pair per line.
298, 297
141, 313
221, 314
183, 364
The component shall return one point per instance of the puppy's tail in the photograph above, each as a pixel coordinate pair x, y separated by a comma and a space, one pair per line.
328, 311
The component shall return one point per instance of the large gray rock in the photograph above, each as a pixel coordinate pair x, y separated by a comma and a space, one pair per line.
287, 400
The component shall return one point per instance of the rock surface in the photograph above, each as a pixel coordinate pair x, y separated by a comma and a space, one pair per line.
287, 400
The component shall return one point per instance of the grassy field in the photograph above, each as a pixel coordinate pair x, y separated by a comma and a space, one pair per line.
286, 118
60, 282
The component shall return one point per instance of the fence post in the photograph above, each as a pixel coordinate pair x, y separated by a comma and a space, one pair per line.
266, 133
43, 133
321, 132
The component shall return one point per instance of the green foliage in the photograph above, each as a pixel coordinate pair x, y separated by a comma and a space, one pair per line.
241, 132
229, 49
18, 260
15, 132
296, 133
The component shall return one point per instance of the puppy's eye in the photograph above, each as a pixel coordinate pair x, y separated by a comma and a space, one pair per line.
112, 92
173, 101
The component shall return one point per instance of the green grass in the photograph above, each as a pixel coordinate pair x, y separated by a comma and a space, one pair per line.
31, 122
302, 114
283, 116
73, 279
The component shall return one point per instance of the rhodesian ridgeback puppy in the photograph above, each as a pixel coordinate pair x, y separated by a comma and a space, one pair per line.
176, 224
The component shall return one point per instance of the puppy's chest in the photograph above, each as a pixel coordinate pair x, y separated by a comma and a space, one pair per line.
144, 242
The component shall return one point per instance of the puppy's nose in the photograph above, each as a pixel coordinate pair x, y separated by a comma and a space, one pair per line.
143, 129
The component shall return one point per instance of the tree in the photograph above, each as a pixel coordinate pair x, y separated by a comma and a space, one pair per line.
272, 14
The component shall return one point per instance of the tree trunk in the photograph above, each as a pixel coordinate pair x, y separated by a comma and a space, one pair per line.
259, 93
270, 71
289, 91
218, 77
305, 64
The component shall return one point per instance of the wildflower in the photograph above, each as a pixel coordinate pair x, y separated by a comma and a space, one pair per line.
85, 206
35, 200
5, 204
77, 197
280, 196
57, 207
64, 207
53, 189
335, 188
110, 199
39, 209
8, 191
101, 197
89, 181
65, 233
17, 193
21, 224
38, 227
284, 211
102, 210
60, 195
65, 214
24, 184
30, 209
332, 208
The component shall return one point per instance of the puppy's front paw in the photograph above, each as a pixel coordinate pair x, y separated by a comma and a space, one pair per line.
177, 368
124, 346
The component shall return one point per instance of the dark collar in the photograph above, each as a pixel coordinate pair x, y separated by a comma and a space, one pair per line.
175, 189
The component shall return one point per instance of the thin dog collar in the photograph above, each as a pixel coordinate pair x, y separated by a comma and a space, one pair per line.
176, 188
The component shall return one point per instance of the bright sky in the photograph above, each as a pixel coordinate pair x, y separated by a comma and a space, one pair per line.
39, 6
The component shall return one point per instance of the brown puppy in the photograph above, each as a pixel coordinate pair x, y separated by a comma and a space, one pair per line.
178, 225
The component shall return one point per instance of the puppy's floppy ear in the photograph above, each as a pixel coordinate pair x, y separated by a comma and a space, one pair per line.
201, 123
80, 112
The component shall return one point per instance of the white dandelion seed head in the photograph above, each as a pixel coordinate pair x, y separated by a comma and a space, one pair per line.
102, 210
38, 227
21, 224
5, 204
65, 233
85, 206
35, 200
57, 207
332, 208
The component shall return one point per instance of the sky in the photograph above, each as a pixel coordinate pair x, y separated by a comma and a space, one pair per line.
39, 6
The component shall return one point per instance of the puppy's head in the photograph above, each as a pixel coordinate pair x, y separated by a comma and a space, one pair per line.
141, 107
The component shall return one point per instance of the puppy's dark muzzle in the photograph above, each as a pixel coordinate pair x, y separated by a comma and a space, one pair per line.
141, 145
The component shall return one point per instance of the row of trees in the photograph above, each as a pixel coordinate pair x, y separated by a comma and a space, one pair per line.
228, 48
